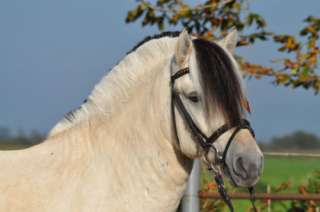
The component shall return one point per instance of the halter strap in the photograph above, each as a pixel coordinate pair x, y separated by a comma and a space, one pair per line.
244, 124
197, 133
206, 142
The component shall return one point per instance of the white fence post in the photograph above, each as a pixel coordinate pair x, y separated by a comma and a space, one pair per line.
269, 200
190, 200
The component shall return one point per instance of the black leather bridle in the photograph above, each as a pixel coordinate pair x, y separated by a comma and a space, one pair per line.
207, 142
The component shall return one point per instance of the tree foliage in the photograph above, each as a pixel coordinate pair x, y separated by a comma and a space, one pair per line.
214, 18
298, 141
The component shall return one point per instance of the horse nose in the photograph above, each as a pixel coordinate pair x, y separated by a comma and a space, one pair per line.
248, 167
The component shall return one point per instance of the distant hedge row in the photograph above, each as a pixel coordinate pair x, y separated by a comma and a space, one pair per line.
298, 140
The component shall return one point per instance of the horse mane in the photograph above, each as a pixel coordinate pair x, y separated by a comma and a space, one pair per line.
219, 78
171, 34
114, 87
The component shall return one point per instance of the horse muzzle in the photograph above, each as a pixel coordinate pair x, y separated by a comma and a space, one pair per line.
246, 169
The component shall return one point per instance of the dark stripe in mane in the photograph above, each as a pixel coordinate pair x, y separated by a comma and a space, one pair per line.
157, 36
219, 80
70, 116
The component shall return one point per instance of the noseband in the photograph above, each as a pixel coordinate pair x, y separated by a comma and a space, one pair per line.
207, 142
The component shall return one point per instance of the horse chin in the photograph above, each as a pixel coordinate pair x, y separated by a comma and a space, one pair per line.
238, 179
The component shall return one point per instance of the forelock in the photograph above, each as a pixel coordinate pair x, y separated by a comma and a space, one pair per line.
219, 81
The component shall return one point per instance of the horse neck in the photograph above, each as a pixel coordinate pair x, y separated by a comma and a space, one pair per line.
136, 142
128, 133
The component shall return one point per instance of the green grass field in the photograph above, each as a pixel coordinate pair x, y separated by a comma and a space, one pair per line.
295, 170
277, 170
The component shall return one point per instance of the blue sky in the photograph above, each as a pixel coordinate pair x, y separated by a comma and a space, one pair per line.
52, 53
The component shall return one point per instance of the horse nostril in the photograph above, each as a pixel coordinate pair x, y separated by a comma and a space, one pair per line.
240, 168
253, 170
246, 168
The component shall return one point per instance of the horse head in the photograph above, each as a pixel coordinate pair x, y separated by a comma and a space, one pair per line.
209, 108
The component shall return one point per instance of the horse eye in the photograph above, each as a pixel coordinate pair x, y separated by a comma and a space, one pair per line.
193, 97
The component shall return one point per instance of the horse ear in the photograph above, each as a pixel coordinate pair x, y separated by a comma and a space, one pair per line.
230, 41
183, 48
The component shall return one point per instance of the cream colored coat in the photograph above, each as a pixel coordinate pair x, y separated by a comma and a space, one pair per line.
116, 156
119, 153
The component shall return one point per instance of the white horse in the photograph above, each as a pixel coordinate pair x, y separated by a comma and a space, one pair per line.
123, 150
